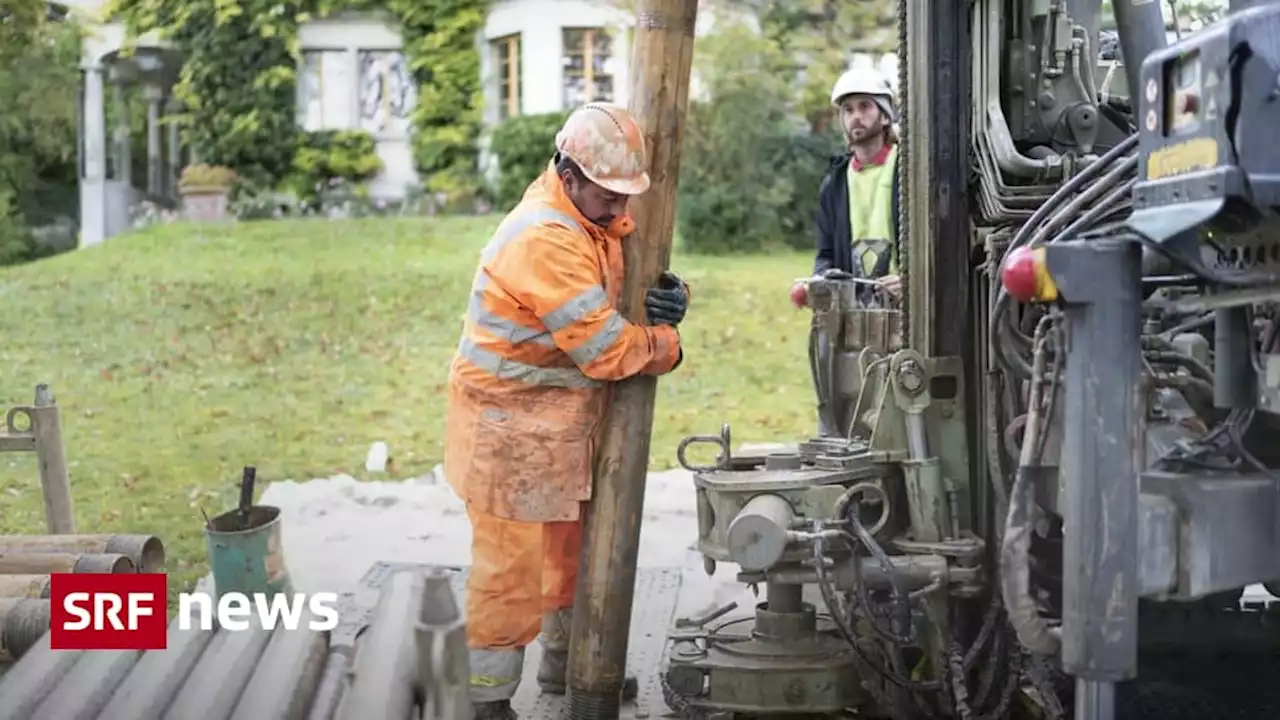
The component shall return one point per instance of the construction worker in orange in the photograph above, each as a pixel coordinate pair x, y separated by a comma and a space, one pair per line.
528, 389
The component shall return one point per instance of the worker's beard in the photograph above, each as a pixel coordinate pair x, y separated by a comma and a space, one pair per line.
867, 139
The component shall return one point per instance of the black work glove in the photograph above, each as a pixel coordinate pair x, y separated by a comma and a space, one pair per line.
667, 303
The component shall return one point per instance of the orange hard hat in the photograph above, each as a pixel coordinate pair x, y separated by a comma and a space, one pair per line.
607, 143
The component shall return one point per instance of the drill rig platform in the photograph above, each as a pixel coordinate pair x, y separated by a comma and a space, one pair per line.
1051, 478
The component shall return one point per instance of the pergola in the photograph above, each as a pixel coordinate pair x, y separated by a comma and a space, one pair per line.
109, 194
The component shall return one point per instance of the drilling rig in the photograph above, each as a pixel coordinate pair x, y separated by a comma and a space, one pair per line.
1052, 482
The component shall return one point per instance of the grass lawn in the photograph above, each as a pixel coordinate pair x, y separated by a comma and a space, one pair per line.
180, 355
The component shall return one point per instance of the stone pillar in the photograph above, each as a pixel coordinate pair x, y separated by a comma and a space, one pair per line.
174, 170
93, 198
155, 168
121, 134
354, 86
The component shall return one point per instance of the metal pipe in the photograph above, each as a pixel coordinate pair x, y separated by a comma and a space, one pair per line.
757, 536
444, 668
783, 597
30, 680
1094, 700
927, 501
1140, 25
287, 676
1101, 283
917, 438
911, 571
221, 674
22, 623
382, 685
35, 587
596, 675
146, 552
39, 563
1234, 376
156, 677
332, 684
87, 687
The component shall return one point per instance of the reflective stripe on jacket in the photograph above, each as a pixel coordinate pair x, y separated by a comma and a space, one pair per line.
542, 341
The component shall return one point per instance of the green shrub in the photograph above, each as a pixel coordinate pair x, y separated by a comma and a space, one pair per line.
207, 176
750, 167
800, 160
523, 145
440, 43
329, 157
730, 195
238, 78
239, 81
39, 82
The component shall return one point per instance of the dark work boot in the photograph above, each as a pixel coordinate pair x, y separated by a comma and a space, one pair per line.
554, 665
494, 710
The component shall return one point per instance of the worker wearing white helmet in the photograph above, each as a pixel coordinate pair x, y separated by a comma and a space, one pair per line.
858, 199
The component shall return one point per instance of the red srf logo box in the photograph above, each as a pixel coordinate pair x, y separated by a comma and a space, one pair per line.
126, 611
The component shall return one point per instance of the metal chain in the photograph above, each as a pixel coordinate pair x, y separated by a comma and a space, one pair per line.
904, 186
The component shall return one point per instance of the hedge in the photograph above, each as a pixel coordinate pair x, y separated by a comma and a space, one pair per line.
523, 146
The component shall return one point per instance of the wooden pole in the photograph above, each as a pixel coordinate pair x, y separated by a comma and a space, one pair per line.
46, 427
661, 63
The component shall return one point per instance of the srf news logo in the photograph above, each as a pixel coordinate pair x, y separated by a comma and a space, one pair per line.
125, 611
128, 611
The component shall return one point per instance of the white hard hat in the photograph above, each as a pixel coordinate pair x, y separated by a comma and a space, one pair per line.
864, 81
608, 145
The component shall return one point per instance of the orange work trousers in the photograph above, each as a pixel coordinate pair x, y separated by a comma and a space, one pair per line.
519, 570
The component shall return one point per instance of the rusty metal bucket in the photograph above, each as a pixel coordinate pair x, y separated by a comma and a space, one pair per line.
247, 554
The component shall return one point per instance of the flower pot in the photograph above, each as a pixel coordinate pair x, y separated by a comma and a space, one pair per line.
205, 204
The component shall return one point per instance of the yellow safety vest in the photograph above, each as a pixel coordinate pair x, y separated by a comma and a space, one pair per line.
871, 213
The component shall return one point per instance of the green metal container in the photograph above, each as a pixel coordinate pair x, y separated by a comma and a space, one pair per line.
248, 557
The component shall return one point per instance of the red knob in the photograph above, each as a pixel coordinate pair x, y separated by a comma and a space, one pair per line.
1020, 274
799, 295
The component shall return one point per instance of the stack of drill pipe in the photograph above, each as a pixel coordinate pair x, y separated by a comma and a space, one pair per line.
332, 683
154, 680
287, 677
223, 671
34, 587
31, 680
43, 563
383, 679
145, 552
444, 668
23, 622
83, 690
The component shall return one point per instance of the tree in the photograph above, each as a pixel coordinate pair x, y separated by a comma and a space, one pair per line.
820, 37
38, 81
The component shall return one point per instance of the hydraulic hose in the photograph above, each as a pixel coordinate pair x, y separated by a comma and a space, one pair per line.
999, 323
1015, 548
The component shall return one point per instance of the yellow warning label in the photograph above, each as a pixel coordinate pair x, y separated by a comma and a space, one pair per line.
1185, 157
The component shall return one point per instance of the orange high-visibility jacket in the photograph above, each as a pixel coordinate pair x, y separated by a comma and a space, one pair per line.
530, 381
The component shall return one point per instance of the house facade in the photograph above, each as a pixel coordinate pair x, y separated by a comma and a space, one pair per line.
536, 56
